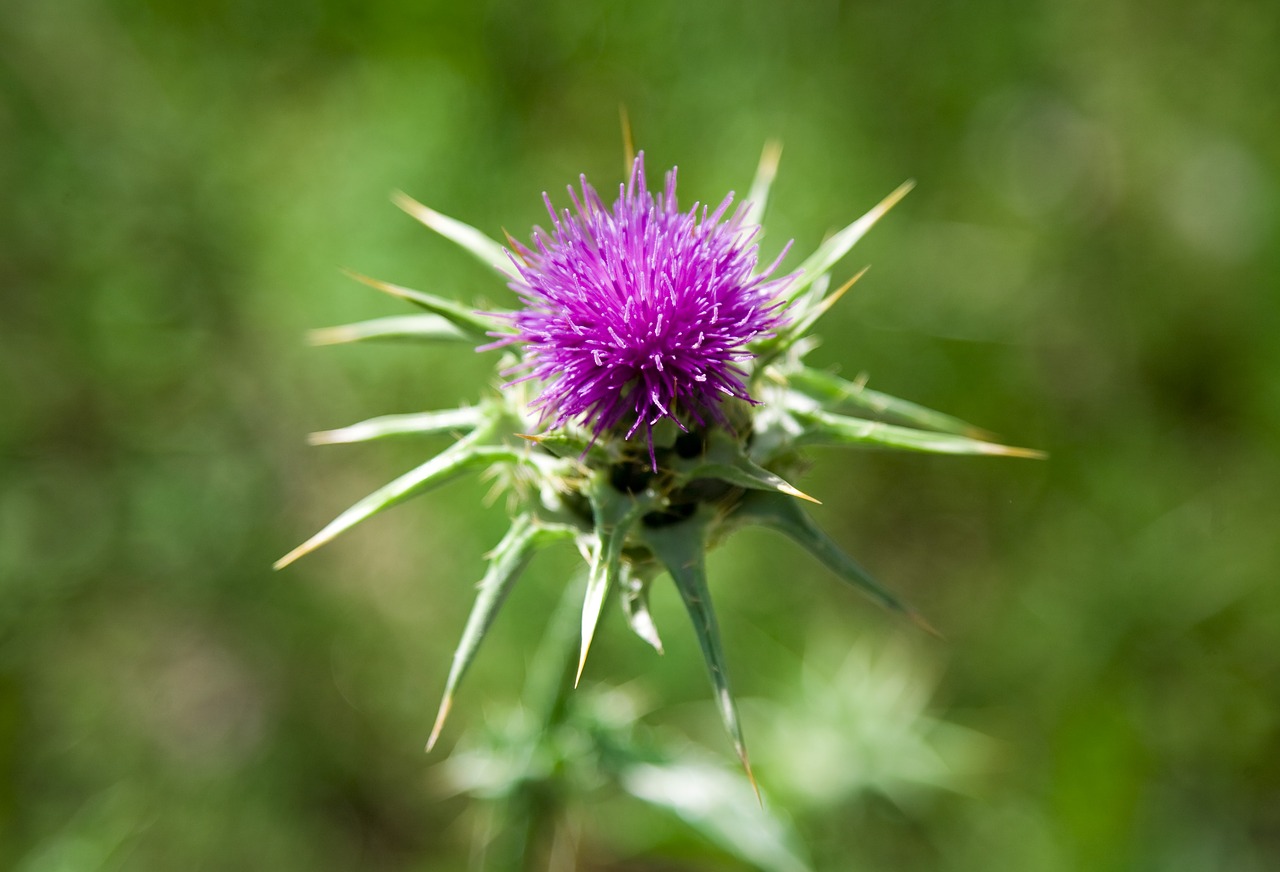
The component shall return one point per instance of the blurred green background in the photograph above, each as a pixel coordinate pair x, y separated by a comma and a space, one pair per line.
1088, 265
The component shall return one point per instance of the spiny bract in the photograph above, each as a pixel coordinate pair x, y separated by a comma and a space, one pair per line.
644, 319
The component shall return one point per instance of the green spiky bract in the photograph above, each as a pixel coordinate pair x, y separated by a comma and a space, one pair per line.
633, 516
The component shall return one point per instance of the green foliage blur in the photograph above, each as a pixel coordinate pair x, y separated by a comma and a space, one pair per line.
1088, 265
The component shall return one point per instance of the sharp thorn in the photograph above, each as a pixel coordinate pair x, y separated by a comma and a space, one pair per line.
422, 213
919, 621
445, 705
769, 159
628, 142
328, 336
751, 777
302, 550
792, 491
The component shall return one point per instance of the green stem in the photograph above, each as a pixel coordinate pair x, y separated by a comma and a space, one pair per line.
552, 671
527, 821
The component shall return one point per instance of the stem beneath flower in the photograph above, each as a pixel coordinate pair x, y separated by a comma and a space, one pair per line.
528, 821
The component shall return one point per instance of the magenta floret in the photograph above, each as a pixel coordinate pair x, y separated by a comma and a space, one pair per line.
640, 312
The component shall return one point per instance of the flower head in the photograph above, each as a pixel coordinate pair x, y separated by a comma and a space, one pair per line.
640, 312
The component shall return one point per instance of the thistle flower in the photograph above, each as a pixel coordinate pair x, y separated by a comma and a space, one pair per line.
640, 312
634, 317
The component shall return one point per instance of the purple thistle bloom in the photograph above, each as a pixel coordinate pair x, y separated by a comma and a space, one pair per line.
641, 312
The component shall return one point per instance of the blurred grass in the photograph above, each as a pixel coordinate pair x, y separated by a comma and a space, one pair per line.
1088, 265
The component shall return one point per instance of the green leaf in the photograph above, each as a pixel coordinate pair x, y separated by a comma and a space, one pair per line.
798, 328
785, 516
476, 325
421, 424
758, 196
477, 244
506, 562
725, 460
718, 805
566, 444
747, 474
769, 349
682, 550
462, 457
615, 513
823, 428
841, 395
837, 246
635, 604
420, 328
